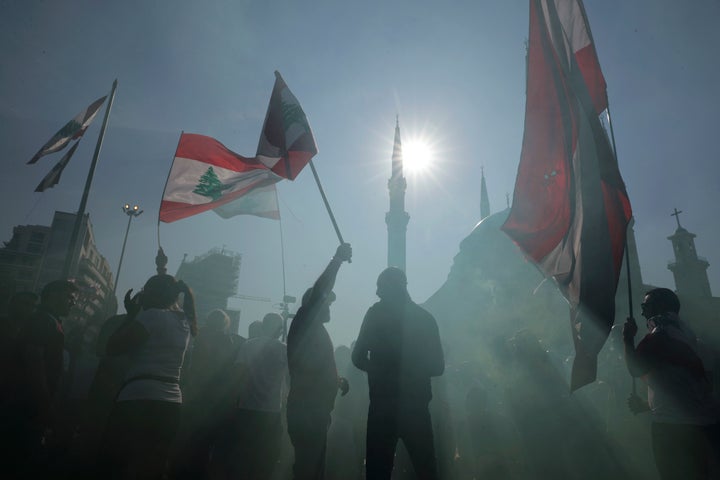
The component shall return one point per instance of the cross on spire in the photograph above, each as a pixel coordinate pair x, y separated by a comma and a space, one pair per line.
676, 213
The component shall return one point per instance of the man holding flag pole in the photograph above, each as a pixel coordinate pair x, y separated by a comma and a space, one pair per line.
205, 175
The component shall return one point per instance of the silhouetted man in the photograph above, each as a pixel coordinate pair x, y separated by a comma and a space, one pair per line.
208, 403
261, 365
41, 344
399, 348
684, 426
313, 376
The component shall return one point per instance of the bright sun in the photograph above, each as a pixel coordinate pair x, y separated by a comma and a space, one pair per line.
417, 155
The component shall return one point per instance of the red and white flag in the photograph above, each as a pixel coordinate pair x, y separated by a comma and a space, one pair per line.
205, 175
570, 209
286, 142
73, 129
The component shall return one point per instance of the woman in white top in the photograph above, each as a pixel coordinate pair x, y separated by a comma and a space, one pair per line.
146, 414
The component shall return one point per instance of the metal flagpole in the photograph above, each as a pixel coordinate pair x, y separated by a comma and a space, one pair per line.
72, 247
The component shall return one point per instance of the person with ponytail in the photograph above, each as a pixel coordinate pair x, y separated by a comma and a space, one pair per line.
146, 414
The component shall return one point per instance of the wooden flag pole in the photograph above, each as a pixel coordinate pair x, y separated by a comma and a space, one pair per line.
327, 205
72, 247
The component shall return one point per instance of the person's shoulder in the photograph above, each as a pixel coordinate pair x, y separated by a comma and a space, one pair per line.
375, 308
37, 328
651, 343
420, 312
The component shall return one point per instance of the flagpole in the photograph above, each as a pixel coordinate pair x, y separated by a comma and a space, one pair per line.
161, 259
327, 205
627, 250
72, 247
285, 310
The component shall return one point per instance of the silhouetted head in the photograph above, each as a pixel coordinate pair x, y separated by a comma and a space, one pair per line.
392, 285
217, 321
58, 297
163, 291
272, 325
160, 291
658, 301
22, 305
255, 329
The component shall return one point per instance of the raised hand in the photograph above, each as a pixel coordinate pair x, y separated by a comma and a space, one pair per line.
344, 252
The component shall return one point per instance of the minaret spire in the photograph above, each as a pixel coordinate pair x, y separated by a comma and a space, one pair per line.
484, 200
397, 218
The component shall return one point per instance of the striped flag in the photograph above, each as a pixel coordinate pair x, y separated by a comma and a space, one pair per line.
570, 209
53, 177
205, 175
73, 129
286, 142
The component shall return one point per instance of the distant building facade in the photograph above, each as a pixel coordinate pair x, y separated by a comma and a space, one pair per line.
35, 256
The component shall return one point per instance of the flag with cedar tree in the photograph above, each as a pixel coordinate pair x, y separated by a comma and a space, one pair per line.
286, 142
73, 129
206, 175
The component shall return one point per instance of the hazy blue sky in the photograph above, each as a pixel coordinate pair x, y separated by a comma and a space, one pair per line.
453, 71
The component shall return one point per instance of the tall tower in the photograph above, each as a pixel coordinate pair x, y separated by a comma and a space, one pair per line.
397, 218
689, 270
484, 200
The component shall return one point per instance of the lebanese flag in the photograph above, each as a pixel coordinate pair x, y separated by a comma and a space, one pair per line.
260, 201
73, 129
205, 175
286, 142
570, 208
53, 176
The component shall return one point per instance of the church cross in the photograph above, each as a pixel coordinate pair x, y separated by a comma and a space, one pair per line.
676, 213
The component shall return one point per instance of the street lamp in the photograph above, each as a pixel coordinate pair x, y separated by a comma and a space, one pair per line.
131, 212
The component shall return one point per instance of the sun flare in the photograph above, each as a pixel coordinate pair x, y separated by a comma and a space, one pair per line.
417, 156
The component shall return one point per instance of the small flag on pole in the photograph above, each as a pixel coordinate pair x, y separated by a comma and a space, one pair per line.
53, 177
570, 209
73, 129
206, 175
286, 142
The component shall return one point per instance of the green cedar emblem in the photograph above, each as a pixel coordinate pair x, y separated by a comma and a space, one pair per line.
292, 113
210, 185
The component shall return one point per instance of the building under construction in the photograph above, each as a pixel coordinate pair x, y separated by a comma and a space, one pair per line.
213, 277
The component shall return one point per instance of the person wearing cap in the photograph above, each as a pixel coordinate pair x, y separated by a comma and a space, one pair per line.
314, 381
399, 348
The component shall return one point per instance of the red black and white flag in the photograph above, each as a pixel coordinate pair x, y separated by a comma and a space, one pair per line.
570, 209
286, 142
73, 129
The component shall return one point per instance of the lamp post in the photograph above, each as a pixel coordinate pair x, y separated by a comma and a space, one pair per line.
131, 212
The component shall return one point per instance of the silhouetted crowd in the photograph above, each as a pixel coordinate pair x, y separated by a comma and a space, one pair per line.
149, 394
